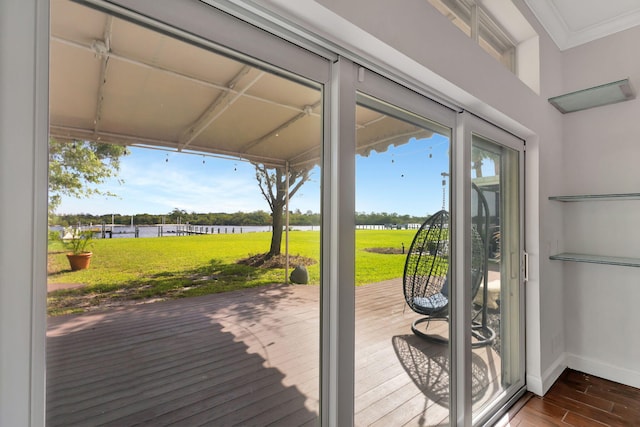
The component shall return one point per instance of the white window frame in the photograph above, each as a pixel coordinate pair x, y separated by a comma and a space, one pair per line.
475, 21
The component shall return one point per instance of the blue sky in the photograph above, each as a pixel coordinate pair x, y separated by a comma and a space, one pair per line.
405, 179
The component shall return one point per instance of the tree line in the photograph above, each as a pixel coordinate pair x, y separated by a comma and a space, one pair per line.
257, 218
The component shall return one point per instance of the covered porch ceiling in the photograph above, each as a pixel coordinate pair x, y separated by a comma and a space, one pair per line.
118, 82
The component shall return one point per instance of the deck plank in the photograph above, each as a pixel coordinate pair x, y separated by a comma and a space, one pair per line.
248, 357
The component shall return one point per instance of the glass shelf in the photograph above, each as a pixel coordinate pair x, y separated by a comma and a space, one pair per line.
597, 259
596, 197
597, 96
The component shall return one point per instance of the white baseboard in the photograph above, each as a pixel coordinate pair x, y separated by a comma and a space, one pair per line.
540, 385
603, 370
534, 384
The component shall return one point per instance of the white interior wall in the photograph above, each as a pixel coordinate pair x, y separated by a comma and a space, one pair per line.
602, 156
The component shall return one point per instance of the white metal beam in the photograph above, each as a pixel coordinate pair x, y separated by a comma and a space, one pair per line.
306, 111
211, 113
101, 48
67, 133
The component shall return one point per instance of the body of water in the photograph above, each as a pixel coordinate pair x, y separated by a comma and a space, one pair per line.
167, 230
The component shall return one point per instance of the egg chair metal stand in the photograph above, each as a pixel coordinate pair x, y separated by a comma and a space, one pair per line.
426, 273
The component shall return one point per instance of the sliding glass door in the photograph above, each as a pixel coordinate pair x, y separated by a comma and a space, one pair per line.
438, 247
402, 165
494, 296
218, 330
411, 311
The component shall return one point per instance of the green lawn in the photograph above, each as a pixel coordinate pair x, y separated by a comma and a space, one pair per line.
173, 267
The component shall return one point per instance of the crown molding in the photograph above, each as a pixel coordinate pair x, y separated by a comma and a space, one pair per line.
565, 37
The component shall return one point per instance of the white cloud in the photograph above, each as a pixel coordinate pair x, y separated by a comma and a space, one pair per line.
153, 185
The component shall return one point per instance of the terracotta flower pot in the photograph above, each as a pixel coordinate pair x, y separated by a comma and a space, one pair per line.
79, 261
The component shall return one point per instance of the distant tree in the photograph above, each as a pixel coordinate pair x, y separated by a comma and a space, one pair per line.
146, 219
75, 167
178, 215
383, 218
256, 218
273, 185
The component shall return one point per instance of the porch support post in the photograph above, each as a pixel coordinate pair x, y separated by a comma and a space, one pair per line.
286, 225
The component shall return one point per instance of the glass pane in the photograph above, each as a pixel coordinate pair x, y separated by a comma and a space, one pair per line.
491, 37
495, 211
185, 319
402, 169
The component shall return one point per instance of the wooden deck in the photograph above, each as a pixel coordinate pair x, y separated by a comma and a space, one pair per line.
249, 357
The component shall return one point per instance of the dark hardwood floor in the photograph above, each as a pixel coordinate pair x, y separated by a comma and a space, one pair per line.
578, 399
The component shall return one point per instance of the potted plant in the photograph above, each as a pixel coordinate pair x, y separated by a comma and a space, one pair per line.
77, 243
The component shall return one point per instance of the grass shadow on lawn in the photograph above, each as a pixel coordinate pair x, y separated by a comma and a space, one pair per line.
214, 277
